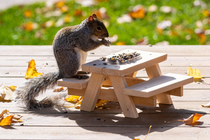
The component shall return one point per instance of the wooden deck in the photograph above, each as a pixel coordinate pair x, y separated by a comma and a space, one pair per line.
59, 123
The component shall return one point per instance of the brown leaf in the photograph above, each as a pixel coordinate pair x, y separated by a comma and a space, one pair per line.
78, 12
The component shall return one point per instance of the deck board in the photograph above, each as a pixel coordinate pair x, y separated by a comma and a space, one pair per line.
57, 123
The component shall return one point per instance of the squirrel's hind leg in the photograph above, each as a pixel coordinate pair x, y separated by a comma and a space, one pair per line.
68, 62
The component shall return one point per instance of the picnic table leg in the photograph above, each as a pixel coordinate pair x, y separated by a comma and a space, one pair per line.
152, 72
92, 92
126, 102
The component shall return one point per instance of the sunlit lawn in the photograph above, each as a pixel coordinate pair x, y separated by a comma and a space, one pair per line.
189, 23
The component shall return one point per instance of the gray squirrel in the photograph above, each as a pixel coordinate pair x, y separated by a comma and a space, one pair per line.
70, 47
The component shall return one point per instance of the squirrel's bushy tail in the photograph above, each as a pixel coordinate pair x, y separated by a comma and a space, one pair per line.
35, 86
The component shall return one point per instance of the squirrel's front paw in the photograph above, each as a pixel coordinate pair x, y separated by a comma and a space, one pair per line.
106, 42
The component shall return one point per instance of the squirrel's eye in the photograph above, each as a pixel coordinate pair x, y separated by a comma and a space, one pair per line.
99, 28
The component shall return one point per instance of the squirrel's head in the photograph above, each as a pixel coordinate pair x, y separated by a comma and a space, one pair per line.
97, 27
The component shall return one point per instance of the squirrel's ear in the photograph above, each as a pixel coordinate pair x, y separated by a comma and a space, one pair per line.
90, 19
94, 15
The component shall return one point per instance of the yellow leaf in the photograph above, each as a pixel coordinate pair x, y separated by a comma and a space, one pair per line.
120, 43
206, 13
67, 19
6, 121
72, 98
28, 13
140, 13
64, 8
13, 87
196, 73
59, 4
31, 71
100, 103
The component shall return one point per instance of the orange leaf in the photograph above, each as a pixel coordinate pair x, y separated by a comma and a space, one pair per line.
28, 13
59, 4
31, 71
192, 120
28, 26
140, 13
6, 121
120, 43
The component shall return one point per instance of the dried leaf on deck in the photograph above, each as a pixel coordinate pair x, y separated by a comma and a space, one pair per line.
193, 119
32, 71
58, 89
73, 98
12, 87
196, 73
206, 105
6, 118
6, 94
6, 121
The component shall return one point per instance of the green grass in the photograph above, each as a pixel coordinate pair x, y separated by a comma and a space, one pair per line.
186, 15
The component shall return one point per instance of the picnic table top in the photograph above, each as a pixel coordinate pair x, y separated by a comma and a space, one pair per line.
71, 123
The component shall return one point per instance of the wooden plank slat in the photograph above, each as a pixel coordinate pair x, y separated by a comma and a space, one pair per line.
191, 50
158, 85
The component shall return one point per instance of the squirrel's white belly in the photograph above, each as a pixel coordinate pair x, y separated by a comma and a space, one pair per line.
81, 55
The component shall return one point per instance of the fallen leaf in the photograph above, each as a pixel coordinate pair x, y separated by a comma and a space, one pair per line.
138, 12
59, 4
32, 71
101, 103
64, 8
27, 13
86, 3
73, 98
78, 12
49, 23
6, 94
13, 87
6, 121
196, 73
29, 26
152, 8
6, 118
58, 89
67, 19
124, 18
167, 9
193, 119
120, 43
206, 105
206, 13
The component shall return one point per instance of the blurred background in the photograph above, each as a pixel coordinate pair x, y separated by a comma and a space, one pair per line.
129, 22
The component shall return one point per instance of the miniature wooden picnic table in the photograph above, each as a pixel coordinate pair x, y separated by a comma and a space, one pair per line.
157, 89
